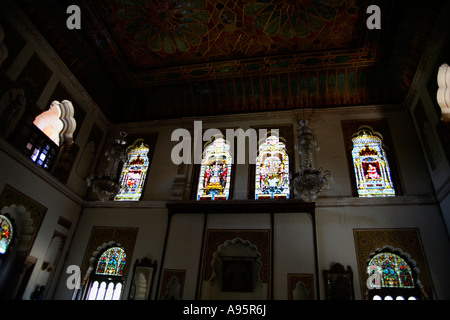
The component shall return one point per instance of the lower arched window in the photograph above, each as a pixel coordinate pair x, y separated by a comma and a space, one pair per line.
6, 233
393, 276
107, 281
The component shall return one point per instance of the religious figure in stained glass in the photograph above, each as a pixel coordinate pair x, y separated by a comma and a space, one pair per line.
394, 271
272, 170
134, 172
111, 262
373, 177
6, 233
215, 172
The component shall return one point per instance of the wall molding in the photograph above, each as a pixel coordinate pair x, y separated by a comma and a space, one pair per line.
422, 200
290, 115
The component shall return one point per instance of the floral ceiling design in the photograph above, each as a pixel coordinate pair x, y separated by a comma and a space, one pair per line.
169, 32
160, 59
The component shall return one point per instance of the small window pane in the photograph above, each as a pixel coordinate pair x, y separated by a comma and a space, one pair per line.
117, 291
109, 291
101, 291
93, 292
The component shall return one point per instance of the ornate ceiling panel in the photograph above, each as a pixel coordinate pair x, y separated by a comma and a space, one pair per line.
171, 41
144, 60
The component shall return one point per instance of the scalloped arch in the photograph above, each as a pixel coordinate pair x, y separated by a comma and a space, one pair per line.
58, 122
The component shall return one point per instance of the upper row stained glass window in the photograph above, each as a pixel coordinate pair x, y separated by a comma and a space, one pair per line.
272, 170
215, 172
370, 164
134, 172
373, 176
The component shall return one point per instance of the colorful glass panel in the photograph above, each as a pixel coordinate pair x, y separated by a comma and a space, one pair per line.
215, 172
394, 272
134, 172
6, 233
111, 262
272, 170
373, 177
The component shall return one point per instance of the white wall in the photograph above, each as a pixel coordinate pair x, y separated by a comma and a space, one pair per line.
149, 243
47, 193
336, 242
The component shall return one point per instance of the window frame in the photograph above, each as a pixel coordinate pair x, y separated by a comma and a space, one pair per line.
197, 169
38, 140
195, 175
122, 178
285, 132
380, 125
107, 279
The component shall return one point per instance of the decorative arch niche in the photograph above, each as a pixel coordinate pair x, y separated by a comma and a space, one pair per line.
24, 230
399, 275
235, 271
16, 263
369, 242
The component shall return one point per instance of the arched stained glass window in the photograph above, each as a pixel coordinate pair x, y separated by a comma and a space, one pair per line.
6, 233
134, 172
393, 271
215, 171
272, 170
107, 282
111, 262
373, 177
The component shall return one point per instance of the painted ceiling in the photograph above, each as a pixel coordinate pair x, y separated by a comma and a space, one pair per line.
145, 60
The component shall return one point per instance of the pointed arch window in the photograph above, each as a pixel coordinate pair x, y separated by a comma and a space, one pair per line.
372, 172
107, 282
272, 170
215, 171
134, 172
6, 233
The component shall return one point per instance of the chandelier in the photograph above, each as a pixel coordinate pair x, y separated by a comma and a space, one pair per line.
106, 185
309, 181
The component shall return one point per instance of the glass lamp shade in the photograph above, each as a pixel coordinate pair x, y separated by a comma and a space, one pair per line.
105, 188
308, 183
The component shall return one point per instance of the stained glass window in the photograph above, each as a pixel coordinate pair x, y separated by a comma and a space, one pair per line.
111, 262
393, 270
373, 177
6, 233
215, 171
134, 172
272, 170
